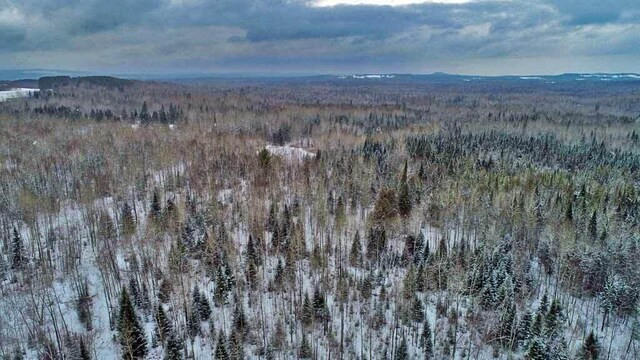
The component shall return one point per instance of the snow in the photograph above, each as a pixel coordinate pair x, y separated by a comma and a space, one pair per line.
16, 93
290, 152
369, 76
530, 78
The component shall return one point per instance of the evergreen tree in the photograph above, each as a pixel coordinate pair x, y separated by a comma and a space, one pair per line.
236, 346
251, 274
401, 351
156, 209
163, 325
204, 308
18, 259
536, 350
524, 328
590, 348
144, 114
3, 268
193, 323
130, 333
355, 255
427, 342
553, 318
377, 242
507, 321
305, 348
417, 311
221, 349
404, 200
307, 311
253, 251
320, 310
240, 325
127, 220
173, 348
367, 286
83, 353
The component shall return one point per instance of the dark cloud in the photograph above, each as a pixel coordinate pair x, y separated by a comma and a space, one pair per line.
279, 35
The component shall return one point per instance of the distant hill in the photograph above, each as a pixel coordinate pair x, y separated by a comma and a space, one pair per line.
51, 82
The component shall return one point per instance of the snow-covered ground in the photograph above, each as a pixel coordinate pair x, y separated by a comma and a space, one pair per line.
290, 152
16, 93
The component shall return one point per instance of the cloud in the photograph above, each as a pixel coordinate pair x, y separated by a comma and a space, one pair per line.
280, 35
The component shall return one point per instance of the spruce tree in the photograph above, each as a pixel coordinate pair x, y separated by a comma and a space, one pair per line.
590, 348
404, 200
221, 349
83, 353
355, 255
305, 349
427, 342
240, 325
417, 312
156, 209
401, 351
307, 311
130, 333
18, 259
127, 220
524, 328
163, 325
204, 307
236, 346
536, 350
173, 348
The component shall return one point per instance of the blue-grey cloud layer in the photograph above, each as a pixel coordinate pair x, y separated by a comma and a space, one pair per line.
293, 35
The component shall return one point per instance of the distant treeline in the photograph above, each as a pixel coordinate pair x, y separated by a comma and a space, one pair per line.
51, 82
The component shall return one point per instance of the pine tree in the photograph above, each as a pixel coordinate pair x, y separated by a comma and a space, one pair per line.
253, 251
307, 311
221, 349
3, 268
536, 350
427, 342
355, 255
524, 328
553, 318
84, 353
506, 323
193, 323
127, 220
131, 335
401, 352
240, 325
320, 310
417, 312
18, 260
236, 346
163, 325
377, 242
409, 283
156, 209
173, 348
305, 348
272, 220
404, 200
367, 286
251, 274
591, 348
144, 113
204, 307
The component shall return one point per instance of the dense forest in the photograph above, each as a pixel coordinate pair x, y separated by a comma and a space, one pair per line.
320, 218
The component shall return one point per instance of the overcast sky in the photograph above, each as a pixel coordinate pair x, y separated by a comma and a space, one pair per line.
485, 37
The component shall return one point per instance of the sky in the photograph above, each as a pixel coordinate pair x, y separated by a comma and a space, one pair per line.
289, 37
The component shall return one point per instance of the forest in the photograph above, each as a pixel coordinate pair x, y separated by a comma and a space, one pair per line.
320, 218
